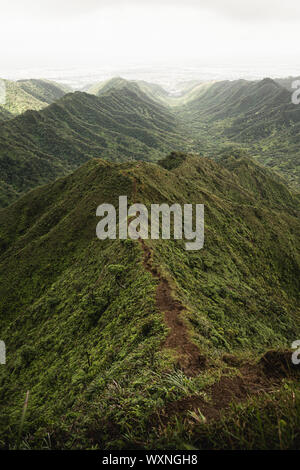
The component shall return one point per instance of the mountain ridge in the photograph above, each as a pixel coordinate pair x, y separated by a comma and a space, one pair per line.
93, 321
30, 94
129, 120
38, 146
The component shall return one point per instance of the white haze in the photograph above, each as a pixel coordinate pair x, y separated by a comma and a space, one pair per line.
82, 40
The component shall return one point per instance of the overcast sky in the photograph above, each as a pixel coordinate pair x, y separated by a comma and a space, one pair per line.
87, 33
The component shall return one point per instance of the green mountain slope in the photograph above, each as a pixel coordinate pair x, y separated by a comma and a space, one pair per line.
37, 147
127, 344
18, 100
115, 83
257, 115
24, 95
287, 82
188, 90
4, 114
134, 119
44, 90
153, 91
230, 98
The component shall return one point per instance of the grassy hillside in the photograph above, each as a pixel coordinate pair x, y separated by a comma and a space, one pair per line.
131, 344
18, 100
23, 95
137, 120
44, 90
256, 115
4, 114
153, 91
260, 116
287, 82
122, 124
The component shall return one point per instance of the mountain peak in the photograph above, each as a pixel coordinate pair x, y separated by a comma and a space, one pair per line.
269, 81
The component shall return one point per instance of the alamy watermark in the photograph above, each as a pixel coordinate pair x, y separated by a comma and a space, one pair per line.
134, 222
296, 93
2, 92
296, 354
2, 353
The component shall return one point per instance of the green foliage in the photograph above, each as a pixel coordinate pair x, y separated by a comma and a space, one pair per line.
80, 319
121, 125
271, 421
137, 120
258, 116
29, 94
116, 269
172, 161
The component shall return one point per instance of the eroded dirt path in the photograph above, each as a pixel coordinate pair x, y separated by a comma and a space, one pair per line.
189, 358
236, 389
251, 380
265, 376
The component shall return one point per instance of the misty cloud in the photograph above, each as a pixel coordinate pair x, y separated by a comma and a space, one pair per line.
95, 33
246, 10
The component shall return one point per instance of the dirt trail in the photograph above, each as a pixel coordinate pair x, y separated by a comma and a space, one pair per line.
254, 379
189, 358
239, 388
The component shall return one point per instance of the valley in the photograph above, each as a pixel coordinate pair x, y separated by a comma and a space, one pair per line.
142, 344
136, 337
120, 120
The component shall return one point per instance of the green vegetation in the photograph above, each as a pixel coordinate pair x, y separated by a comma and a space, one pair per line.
137, 120
125, 124
44, 90
152, 90
131, 344
86, 334
29, 94
258, 116
271, 421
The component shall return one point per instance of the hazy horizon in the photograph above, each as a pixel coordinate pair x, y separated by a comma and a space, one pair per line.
97, 39
167, 76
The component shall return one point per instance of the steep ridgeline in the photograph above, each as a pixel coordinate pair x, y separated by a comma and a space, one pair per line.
90, 326
153, 91
122, 124
32, 94
44, 90
257, 115
187, 91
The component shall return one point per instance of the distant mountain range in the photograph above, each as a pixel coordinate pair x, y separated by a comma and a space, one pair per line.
119, 120
287, 82
121, 124
118, 83
23, 95
258, 116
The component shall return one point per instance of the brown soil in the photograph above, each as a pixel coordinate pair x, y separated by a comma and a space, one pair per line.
189, 358
253, 379
278, 364
239, 388
265, 376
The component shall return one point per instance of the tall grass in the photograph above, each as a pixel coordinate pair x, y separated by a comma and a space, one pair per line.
25, 406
